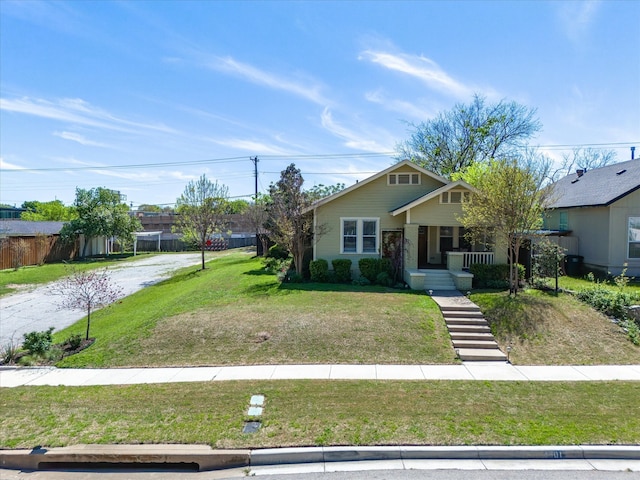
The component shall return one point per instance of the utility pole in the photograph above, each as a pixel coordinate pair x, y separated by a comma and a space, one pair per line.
255, 198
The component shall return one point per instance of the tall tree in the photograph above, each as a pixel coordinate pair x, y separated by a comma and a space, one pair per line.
320, 191
256, 215
476, 132
287, 221
585, 158
54, 211
508, 204
201, 211
101, 212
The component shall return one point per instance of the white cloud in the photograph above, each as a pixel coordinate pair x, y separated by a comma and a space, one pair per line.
76, 137
4, 165
400, 106
421, 68
354, 140
577, 17
79, 112
251, 146
305, 88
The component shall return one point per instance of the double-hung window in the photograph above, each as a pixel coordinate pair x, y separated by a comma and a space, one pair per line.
634, 237
359, 235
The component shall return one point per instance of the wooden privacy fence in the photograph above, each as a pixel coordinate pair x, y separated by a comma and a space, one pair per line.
29, 250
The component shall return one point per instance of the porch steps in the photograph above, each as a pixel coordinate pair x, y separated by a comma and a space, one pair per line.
469, 330
438, 280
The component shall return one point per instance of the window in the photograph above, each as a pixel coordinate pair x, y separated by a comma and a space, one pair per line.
634, 237
455, 196
359, 235
403, 179
563, 223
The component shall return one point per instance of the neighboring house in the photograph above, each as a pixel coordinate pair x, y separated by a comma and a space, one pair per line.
13, 213
31, 243
406, 207
600, 211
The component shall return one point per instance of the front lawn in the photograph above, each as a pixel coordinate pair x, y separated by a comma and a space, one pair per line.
233, 313
544, 329
302, 413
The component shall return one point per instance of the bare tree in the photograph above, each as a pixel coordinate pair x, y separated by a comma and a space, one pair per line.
87, 290
19, 248
477, 132
256, 214
201, 211
585, 159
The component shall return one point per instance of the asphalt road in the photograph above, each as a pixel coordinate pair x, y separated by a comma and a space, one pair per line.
36, 309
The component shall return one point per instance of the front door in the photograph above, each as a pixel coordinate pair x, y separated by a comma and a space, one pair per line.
423, 241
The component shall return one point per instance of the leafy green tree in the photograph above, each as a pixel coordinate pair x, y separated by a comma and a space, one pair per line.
471, 133
146, 207
54, 211
202, 211
100, 212
320, 191
508, 204
290, 225
237, 206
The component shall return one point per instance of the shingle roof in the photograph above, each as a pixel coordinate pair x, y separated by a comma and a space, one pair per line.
597, 187
28, 229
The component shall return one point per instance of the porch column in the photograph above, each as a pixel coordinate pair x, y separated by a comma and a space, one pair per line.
411, 245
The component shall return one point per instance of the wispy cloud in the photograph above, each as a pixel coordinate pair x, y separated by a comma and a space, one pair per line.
400, 106
147, 176
302, 87
420, 67
251, 146
76, 137
577, 17
4, 165
78, 112
357, 141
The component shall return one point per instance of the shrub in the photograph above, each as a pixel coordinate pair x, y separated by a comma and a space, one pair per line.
493, 276
38, 343
276, 265
362, 281
384, 279
319, 270
278, 252
342, 269
371, 268
74, 341
609, 302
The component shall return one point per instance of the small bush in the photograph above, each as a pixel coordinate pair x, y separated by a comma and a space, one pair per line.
38, 343
9, 352
384, 279
294, 277
319, 270
609, 302
74, 341
493, 276
278, 252
342, 269
276, 265
362, 281
371, 268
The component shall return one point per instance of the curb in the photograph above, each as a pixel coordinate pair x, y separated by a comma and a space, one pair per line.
203, 457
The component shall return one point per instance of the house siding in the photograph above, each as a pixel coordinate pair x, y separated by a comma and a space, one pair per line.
373, 200
620, 212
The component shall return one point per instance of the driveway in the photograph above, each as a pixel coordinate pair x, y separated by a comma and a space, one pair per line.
37, 309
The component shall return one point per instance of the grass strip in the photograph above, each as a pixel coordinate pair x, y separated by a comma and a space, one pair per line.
234, 313
302, 413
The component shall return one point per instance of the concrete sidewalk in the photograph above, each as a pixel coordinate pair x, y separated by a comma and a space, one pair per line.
33, 376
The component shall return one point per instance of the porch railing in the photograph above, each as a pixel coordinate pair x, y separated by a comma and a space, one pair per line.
462, 260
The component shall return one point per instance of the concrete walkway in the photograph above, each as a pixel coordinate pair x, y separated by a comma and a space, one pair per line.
33, 376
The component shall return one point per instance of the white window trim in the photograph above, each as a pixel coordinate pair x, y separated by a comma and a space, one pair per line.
465, 196
359, 235
629, 242
395, 182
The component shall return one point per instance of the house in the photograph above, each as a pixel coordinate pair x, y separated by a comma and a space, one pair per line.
599, 210
402, 207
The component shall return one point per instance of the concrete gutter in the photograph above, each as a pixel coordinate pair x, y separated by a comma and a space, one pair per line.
203, 458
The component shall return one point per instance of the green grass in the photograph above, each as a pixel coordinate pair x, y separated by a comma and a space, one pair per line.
544, 329
302, 413
575, 284
234, 313
12, 280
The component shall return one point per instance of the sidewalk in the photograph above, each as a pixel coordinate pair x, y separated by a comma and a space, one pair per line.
33, 376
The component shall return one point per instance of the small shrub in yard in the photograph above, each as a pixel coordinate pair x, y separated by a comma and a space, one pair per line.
342, 269
38, 343
278, 252
74, 341
9, 352
362, 281
384, 279
319, 270
371, 268
493, 276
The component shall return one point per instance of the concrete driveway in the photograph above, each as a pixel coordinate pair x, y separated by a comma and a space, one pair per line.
37, 309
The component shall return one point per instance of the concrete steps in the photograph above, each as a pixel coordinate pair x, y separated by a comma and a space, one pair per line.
438, 280
469, 330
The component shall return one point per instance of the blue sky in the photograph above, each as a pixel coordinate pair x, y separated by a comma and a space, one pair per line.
143, 96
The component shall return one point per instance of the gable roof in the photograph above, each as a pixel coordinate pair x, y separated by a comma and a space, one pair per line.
17, 228
597, 187
378, 175
430, 195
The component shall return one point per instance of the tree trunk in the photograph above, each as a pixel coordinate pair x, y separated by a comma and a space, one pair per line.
202, 251
88, 322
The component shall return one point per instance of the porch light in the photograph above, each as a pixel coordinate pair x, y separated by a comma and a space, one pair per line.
457, 353
468, 293
508, 352
431, 293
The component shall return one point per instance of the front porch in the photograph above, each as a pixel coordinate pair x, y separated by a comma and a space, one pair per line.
455, 277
